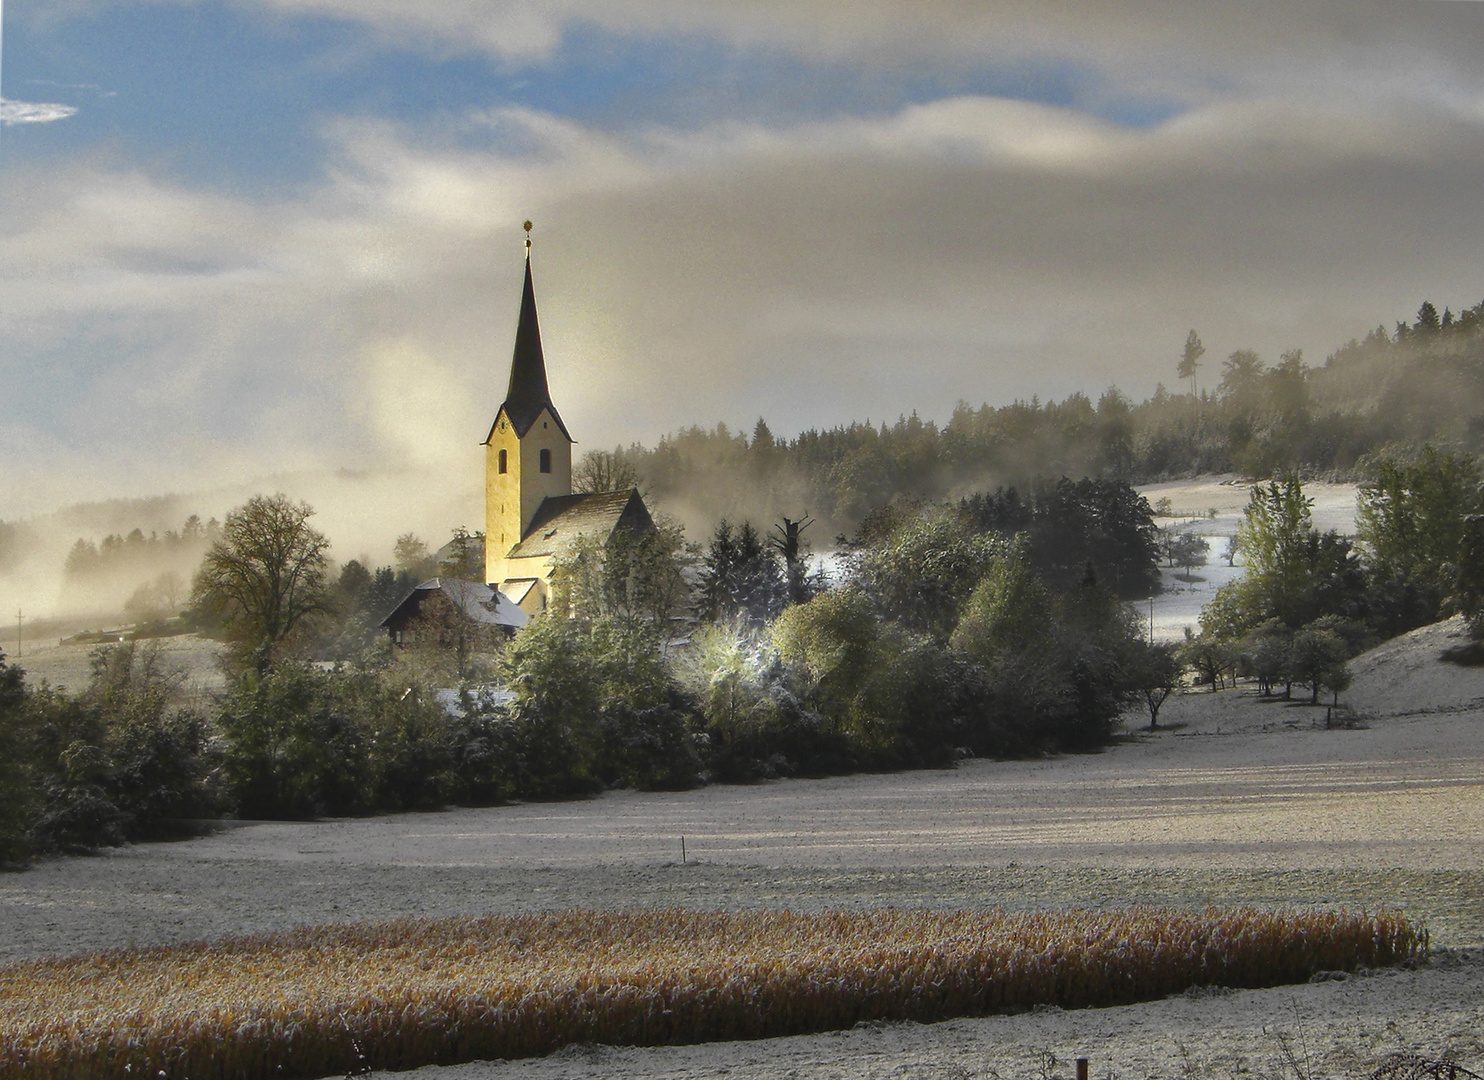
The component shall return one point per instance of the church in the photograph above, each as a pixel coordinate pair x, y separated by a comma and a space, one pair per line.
531, 516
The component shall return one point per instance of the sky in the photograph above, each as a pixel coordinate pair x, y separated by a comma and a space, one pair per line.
251, 241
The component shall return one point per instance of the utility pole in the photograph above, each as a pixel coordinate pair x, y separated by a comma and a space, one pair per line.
19, 619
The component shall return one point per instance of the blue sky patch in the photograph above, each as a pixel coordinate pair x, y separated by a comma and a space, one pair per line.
235, 99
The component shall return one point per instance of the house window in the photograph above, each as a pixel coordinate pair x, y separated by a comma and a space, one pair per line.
546, 461
502, 460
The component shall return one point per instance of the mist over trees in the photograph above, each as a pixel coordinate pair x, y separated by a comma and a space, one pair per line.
15, 540
153, 572
1387, 394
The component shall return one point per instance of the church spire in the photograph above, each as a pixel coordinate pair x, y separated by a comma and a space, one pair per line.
527, 393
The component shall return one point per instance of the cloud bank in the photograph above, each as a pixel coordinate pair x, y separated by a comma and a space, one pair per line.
1318, 174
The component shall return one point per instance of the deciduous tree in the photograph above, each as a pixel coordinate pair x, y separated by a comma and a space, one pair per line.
602, 470
265, 575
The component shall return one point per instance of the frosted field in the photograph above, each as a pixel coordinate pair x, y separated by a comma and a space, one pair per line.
1240, 802
1192, 502
1234, 802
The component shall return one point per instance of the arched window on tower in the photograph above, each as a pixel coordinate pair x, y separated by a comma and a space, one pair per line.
546, 461
502, 460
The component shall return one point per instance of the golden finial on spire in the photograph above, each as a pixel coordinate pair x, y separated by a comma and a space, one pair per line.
527, 227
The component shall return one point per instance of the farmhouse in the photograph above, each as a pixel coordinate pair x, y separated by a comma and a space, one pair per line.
532, 516
427, 610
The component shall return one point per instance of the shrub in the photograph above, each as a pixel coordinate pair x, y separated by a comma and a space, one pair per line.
556, 715
1060, 668
753, 726
482, 746
293, 749
163, 772
162, 765
923, 570
18, 786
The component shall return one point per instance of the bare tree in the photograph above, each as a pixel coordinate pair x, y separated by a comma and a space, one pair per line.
462, 574
789, 544
600, 470
265, 576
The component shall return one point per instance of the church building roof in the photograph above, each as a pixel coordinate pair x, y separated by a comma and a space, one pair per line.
564, 519
527, 393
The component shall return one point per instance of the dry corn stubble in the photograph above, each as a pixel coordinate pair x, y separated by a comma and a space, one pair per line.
413, 992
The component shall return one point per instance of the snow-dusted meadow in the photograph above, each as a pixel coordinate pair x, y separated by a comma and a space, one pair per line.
1235, 802
1212, 507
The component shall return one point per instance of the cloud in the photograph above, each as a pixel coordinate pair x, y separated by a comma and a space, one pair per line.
880, 30
974, 247
31, 112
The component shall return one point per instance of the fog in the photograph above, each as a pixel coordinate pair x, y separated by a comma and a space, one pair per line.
362, 514
980, 204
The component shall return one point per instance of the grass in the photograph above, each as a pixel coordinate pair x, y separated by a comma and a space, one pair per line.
397, 995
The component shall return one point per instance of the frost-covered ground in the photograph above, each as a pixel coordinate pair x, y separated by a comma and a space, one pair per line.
68, 664
1212, 507
1235, 801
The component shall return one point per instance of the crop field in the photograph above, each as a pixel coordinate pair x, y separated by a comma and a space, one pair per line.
401, 994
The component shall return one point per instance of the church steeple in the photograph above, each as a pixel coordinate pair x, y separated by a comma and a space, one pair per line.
528, 452
527, 393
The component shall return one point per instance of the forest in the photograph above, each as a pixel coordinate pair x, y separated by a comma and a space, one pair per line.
1385, 395
945, 635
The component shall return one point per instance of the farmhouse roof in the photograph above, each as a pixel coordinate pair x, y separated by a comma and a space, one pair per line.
562, 520
527, 393
475, 599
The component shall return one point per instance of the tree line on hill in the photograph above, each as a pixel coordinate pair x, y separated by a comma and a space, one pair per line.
1387, 394
1384, 395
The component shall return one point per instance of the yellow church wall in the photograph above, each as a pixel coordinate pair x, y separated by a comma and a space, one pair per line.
545, 434
501, 498
511, 498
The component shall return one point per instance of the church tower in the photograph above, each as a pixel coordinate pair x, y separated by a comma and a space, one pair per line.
532, 521
528, 452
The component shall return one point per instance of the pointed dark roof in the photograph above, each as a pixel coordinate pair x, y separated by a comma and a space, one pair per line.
527, 394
